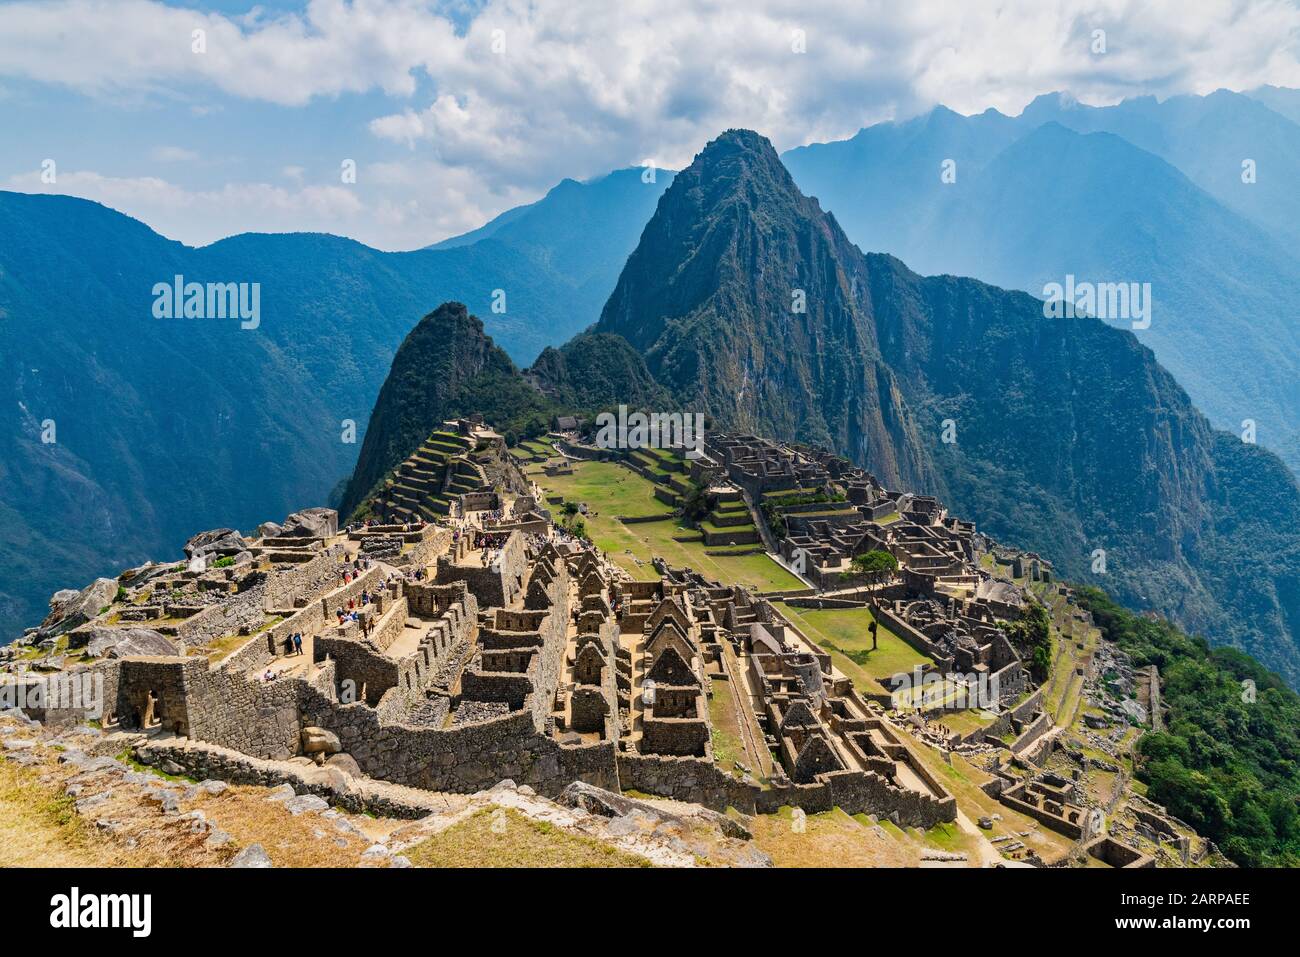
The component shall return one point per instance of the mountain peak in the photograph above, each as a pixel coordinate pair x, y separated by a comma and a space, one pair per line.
451, 312
742, 138
1049, 104
737, 153
739, 284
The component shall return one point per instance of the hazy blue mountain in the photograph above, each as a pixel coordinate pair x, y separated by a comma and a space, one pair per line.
1207, 138
167, 426
584, 230
883, 185
875, 180
1033, 202
1279, 99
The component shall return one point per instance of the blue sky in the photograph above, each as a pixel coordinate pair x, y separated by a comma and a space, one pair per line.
456, 111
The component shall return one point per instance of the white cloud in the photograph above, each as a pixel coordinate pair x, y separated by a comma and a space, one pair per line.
395, 205
584, 86
201, 216
173, 154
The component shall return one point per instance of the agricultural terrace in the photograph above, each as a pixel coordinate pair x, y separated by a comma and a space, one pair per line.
610, 490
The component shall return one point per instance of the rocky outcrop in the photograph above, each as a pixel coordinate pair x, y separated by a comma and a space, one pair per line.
318, 740
311, 523
123, 642
220, 541
70, 609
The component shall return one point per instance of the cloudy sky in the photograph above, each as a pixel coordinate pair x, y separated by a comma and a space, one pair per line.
454, 111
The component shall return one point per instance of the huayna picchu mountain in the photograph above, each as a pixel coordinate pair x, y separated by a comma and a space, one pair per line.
745, 301
447, 367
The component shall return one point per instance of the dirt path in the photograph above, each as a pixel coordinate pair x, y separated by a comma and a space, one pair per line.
988, 854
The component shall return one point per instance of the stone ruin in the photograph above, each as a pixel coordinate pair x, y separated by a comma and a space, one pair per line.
431, 657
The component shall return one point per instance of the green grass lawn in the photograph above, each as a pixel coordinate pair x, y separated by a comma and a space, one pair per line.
727, 745
713, 529
610, 490
842, 632
964, 722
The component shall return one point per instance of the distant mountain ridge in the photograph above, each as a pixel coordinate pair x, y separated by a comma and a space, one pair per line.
164, 426
1063, 189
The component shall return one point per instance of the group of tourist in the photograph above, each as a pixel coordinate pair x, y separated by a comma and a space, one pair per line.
353, 613
490, 540
352, 570
293, 644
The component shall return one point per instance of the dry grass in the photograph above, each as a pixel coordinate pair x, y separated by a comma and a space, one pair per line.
289, 840
832, 839
39, 827
517, 842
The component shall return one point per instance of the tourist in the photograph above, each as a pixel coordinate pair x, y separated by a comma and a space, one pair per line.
297, 643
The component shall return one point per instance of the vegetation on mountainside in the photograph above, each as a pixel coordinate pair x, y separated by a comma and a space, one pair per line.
1031, 635
1162, 169
1228, 759
597, 371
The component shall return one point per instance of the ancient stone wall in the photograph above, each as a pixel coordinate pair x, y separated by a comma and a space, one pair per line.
167, 682
700, 781
378, 798
466, 758
499, 583
256, 717
369, 673
262, 648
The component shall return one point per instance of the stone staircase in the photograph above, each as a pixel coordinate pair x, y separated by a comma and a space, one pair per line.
423, 487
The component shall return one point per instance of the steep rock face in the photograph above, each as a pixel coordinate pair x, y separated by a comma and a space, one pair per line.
1142, 192
745, 300
1069, 437
446, 367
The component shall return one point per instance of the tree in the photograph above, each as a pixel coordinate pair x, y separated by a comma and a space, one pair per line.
876, 566
1031, 636
695, 503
